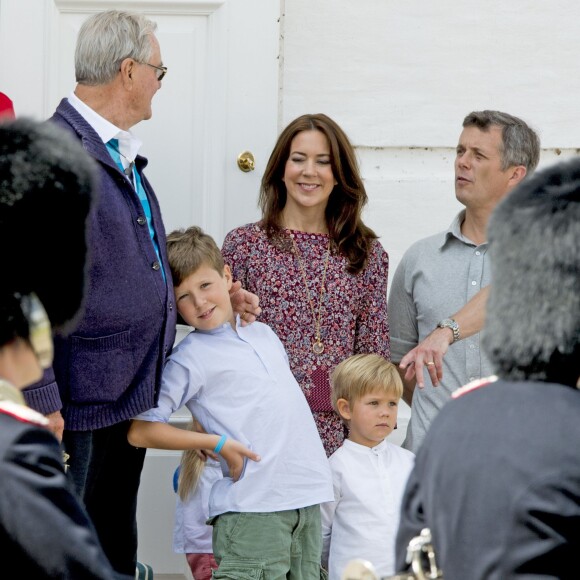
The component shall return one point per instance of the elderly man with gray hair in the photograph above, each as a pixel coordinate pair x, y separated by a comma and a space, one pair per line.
108, 370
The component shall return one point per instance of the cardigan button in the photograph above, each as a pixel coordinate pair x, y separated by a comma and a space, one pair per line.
141, 220
156, 266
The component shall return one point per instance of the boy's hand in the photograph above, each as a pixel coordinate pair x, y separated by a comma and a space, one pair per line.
203, 454
234, 453
244, 303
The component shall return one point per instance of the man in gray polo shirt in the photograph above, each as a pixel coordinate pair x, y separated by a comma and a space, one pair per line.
440, 274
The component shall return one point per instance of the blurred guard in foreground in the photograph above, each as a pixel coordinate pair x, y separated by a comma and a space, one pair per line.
497, 479
46, 192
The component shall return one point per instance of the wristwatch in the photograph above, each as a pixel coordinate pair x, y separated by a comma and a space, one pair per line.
450, 323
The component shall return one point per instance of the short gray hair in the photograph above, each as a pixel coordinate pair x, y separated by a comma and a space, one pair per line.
520, 143
106, 39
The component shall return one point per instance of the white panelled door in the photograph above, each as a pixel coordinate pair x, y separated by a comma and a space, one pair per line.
219, 98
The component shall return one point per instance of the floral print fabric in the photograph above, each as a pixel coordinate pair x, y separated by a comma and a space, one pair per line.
354, 308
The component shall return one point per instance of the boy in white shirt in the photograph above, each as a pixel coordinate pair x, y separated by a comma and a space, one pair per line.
237, 382
369, 473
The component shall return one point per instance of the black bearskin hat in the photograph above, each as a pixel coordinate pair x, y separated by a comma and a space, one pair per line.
532, 328
46, 191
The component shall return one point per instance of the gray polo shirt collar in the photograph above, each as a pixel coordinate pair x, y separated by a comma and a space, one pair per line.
454, 231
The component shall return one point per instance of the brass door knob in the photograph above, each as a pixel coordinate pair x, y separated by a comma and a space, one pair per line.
246, 161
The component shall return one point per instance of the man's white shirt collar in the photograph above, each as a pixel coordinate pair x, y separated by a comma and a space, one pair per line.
129, 144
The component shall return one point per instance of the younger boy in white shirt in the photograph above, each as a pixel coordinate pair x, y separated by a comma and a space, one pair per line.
369, 473
237, 382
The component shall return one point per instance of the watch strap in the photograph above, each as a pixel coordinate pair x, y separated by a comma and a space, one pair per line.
452, 324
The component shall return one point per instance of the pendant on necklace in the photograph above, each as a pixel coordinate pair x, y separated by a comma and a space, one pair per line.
318, 347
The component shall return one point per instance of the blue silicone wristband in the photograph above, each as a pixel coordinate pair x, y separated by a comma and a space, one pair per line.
176, 479
220, 444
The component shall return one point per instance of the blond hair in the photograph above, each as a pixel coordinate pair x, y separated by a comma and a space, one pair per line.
190, 467
360, 374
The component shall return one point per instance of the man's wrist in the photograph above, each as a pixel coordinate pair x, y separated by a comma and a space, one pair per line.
453, 326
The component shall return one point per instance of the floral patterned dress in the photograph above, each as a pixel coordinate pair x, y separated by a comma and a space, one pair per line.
353, 308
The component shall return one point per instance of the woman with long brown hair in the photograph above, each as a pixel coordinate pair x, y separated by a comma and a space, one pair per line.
319, 271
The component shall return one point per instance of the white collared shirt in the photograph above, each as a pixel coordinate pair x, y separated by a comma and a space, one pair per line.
363, 520
129, 144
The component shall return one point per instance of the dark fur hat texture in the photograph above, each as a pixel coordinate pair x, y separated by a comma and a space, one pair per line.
532, 328
46, 191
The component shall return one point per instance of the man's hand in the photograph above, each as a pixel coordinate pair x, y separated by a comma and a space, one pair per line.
234, 453
431, 350
56, 424
244, 303
428, 353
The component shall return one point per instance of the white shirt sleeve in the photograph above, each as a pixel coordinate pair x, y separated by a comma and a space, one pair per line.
327, 511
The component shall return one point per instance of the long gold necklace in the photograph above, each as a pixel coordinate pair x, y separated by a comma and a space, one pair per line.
317, 345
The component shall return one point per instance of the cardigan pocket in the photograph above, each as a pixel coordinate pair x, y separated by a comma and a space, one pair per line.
101, 369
